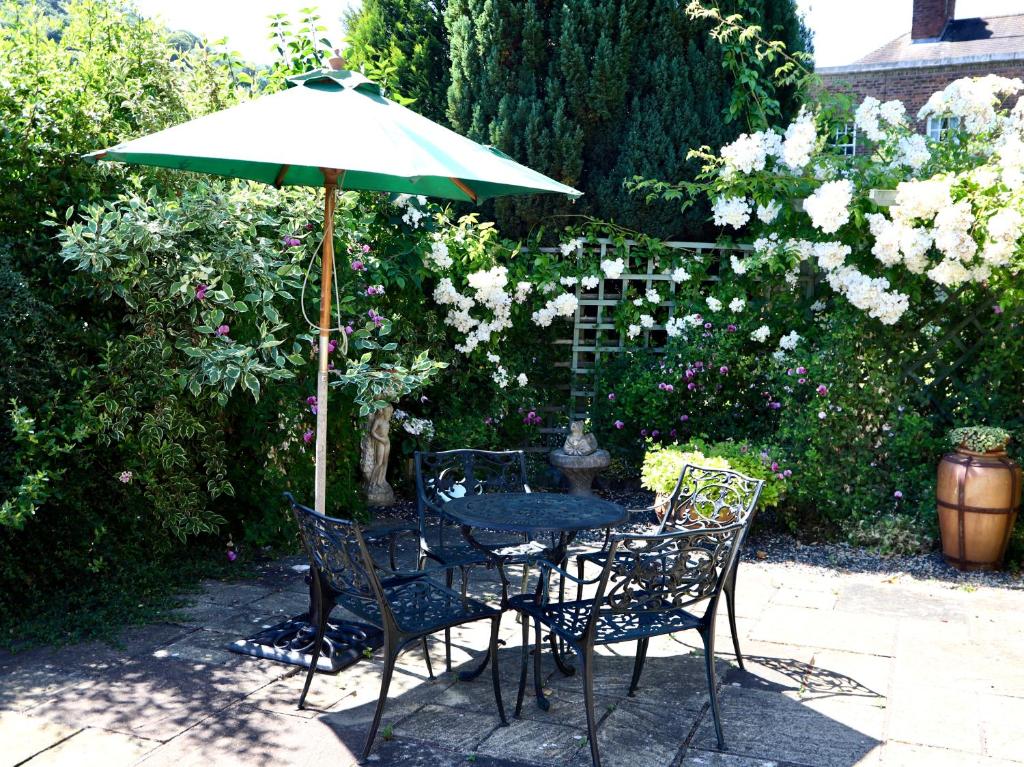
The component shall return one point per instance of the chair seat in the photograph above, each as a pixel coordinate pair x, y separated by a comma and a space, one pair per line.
569, 620
420, 606
461, 553
376, 530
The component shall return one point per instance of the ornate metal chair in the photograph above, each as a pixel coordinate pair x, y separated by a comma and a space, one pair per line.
406, 606
645, 588
442, 476
702, 497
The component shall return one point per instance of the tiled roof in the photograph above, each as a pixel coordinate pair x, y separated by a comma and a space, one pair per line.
996, 37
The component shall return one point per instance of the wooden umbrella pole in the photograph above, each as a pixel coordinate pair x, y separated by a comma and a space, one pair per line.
326, 280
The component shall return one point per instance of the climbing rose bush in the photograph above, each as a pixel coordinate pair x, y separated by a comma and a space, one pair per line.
904, 214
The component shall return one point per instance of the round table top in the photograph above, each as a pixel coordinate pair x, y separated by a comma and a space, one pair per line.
534, 512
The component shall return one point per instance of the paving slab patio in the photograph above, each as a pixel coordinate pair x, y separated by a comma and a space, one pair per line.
841, 670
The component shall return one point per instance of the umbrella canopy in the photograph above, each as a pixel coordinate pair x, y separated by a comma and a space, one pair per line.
339, 120
334, 129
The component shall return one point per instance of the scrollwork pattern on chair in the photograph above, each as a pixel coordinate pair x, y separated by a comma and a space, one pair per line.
711, 498
333, 547
660, 574
456, 473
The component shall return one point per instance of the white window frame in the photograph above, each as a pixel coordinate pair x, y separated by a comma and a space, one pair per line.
844, 139
939, 128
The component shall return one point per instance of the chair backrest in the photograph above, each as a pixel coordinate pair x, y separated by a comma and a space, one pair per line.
660, 573
450, 474
710, 498
338, 552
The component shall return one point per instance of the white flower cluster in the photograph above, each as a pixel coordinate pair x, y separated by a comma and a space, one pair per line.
973, 100
675, 327
789, 341
633, 331
652, 296
768, 213
571, 246
750, 152
500, 374
1004, 230
714, 304
562, 305
869, 295
761, 334
912, 152
830, 255
418, 427
731, 211
590, 282
679, 274
413, 205
872, 113
739, 265
801, 139
613, 268
898, 241
737, 305
829, 205
489, 292
439, 255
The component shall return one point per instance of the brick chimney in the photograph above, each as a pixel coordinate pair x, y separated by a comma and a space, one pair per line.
930, 17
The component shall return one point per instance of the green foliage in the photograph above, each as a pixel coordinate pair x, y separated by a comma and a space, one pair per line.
662, 466
403, 46
595, 92
979, 439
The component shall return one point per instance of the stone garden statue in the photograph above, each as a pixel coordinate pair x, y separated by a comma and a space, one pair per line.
579, 460
578, 443
376, 449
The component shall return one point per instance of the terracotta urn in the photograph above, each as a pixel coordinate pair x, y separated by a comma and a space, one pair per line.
978, 496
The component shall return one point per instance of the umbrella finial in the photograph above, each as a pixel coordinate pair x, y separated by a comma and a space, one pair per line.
337, 61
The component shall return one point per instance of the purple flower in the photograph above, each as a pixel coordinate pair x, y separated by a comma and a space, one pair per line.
423, 399
672, 433
897, 495
348, 330
643, 432
802, 380
774, 466
997, 309
684, 418
655, 434
232, 555
662, 386
310, 400
619, 424
358, 266
376, 318
724, 369
821, 415
292, 242
789, 372
822, 389
801, 371
690, 373
707, 326
779, 475
611, 396
775, 405
371, 291
488, 421
691, 386
307, 436
366, 248
331, 346
223, 330
787, 473
309, 226
731, 328
201, 292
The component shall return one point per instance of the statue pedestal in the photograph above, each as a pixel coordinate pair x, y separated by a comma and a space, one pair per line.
580, 470
379, 495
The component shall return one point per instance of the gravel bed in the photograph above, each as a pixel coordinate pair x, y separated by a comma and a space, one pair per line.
779, 548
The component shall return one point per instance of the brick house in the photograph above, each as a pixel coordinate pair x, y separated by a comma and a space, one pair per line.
938, 49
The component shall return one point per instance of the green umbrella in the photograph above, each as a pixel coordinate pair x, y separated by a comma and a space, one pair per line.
334, 129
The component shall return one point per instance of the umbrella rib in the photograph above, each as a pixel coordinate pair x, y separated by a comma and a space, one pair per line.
462, 186
279, 179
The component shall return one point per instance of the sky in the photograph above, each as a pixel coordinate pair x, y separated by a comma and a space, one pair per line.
843, 30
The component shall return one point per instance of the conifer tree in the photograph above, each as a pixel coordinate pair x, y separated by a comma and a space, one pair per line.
595, 92
405, 44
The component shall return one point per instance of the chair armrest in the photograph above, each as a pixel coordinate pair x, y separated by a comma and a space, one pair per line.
545, 565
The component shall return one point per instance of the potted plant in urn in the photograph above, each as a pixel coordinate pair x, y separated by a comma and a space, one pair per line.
978, 495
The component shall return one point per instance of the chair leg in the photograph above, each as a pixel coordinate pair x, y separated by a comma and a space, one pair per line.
538, 687
426, 657
579, 574
449, 576
707, 634
390, 656
318, 644
525, 620
495, 676
638, 664
730, 603
392, 544
588, 700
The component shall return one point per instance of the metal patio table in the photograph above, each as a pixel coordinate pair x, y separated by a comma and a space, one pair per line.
556, 517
